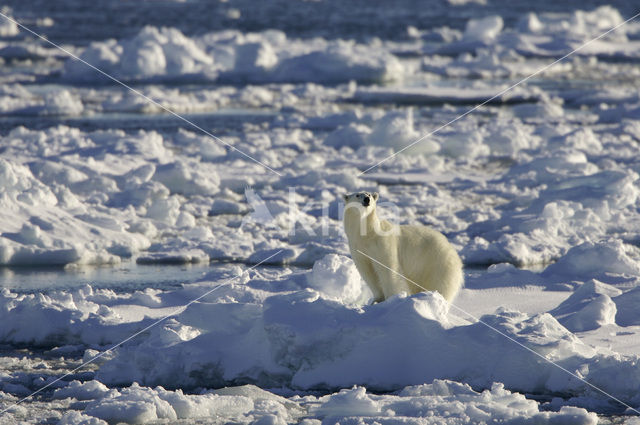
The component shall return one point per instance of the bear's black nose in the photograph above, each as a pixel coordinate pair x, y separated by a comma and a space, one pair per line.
366, 201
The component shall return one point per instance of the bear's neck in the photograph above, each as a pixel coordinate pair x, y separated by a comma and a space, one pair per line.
358, 227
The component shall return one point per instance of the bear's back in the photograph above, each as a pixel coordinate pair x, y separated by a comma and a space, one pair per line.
427, 258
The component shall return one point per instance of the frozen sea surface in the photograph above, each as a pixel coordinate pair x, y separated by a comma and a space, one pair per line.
207, 279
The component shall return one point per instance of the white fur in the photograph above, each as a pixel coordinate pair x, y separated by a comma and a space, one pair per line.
419, 253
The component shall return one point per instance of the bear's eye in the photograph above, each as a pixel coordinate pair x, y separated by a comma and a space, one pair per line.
357, 196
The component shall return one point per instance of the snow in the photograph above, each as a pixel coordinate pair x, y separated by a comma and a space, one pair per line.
152, 52
484, 29
589, 307
338, 279
537, 190
283, 333
167, 54
441, 400
8, 27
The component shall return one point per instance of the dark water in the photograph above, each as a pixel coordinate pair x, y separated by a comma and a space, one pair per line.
221, 122
125, 277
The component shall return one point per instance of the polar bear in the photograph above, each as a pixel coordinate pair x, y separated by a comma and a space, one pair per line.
393, 258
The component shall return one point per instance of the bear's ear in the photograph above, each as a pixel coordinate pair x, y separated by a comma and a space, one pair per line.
375, 196
345, 197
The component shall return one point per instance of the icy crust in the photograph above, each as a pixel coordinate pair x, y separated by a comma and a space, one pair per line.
441, 400
67, 318
534, 35
166, 54
302, 341
301, 331
71, 196
485, 49
563, 198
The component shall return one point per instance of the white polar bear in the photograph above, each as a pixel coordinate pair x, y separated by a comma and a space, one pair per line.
385, 254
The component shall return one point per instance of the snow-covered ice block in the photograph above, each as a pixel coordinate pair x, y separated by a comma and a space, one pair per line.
627, 306
595, 260
152, 53
352, 135
161, 54
589, 307
396, 130
61, 317
132, 405
73, 417
245, 404
484, 29
54, 103
340, 61
301, 340
441, 401
187, 179
88, 390
507, 138
8, 28
336, 277
272, 256
353, 402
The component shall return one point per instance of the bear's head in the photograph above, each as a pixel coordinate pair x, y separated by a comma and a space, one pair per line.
362, 202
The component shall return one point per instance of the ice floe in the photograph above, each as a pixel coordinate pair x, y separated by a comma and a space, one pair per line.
544, 174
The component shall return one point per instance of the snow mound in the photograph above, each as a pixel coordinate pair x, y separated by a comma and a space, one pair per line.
56, 102
442, 400
483, 29
64, 318
544, 34
180, 177
396, 130
565, 202
595, 259
161, 54
74, 417
152, 53
62, 102
7, 28
69, 206
439, 401
509, 138
589, 307
593, 23
138, 405
351, 135
336, 277
627, 307
293, 337
82, 390
340, 62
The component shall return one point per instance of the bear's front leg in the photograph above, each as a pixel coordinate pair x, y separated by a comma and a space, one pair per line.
390, 280
366, 268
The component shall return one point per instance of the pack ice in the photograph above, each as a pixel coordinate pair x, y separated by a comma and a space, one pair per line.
538, 191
